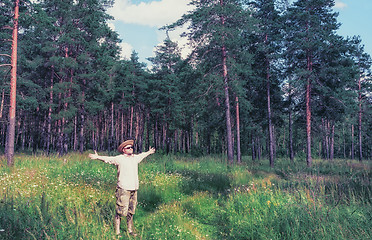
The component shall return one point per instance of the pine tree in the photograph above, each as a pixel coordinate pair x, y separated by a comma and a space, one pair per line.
9, 146
362, 62
309, 25
267, 49
215, 34
167, 86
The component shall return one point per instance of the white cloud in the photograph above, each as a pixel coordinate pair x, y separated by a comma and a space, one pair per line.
339, 4
126, 50
111, 25
154, 14
175, 37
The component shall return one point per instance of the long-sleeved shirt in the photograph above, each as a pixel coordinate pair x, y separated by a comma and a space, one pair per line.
127, 169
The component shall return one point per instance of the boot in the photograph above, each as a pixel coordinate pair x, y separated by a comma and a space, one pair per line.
117, 224
130, 225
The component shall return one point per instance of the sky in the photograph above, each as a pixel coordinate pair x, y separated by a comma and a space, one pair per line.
138, 21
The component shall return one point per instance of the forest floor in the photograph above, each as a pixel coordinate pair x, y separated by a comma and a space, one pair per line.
182, 197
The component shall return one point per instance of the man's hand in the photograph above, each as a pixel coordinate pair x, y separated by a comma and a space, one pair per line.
151, 150
93, 155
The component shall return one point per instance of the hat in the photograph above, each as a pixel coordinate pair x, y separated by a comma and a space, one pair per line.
124, 144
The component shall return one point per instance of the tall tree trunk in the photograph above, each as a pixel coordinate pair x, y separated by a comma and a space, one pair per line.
148, 124
324, 141
137, 129
326, 128
253, 147
13, 90
75, 143
344, 140
290, 137
271, 136
308, 124
259, 148
352, 142
360, 118
238, 151
82, 123
332, 141
131, 123
82, 119
230, 151
81, 134
2, 103
112, 128
49, 118
308, 111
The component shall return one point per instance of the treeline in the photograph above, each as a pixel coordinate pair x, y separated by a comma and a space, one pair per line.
265, 78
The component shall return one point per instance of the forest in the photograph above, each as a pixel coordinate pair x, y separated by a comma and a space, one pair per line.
265, 78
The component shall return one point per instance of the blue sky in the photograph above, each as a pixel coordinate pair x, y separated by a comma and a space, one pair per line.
138, 21
356, 19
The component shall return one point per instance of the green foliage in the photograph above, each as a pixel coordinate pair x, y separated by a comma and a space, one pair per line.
187, 198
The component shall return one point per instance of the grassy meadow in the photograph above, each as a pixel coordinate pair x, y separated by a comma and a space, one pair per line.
72, 197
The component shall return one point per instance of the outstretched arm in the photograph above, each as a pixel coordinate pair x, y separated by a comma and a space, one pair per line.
106, 159
151, 150
93, 155
145, 154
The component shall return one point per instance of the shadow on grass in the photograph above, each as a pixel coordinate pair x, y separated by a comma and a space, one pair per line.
213, 183
217, 185
149, 199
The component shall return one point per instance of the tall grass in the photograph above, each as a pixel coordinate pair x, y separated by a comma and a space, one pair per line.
187, 198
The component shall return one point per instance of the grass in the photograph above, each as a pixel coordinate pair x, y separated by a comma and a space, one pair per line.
187, 198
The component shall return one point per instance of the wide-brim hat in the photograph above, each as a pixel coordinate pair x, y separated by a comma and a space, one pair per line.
124, 144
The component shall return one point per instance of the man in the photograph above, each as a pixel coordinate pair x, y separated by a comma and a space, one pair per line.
127, 185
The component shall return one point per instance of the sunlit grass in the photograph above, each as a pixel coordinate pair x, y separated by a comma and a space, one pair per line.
72, 197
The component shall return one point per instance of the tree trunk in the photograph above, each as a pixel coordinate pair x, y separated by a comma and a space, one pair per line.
291, 153
75, 140
82, 120
360, 119
352, 142
326, 129
308, 112
148, 124
238, 151
131, 123
230, 151
137, 130
49, 118
308, 125
13, 90
332, 141
253, 148
82, 124
112, 128
271, 136
344, 140
259, 148
2, 103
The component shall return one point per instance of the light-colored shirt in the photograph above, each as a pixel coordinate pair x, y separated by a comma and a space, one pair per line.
127, 169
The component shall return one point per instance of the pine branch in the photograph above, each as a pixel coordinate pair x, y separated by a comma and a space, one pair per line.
7, 27
6, 55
